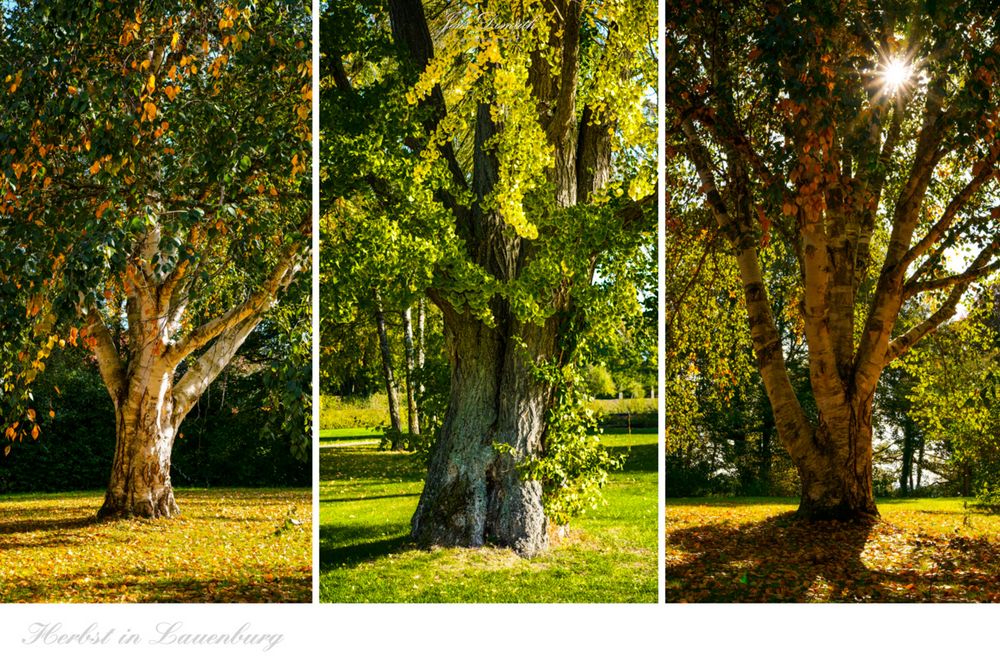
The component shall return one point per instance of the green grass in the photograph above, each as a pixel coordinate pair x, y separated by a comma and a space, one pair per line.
367, 497
335, 434
754, 550
225, 547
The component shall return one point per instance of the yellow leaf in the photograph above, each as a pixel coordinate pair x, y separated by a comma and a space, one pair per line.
151, 83
171, 92
34, 432
149, 111
71, 90
174, 40
31, 414
94, 168
6, 450
52, 414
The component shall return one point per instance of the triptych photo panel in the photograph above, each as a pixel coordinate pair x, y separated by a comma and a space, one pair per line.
493, 301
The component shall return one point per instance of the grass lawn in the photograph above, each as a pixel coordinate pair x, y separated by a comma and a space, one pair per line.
367, 497
753, 550
347, 434
223, 548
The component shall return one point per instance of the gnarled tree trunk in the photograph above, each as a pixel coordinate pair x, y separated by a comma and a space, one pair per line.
474, 491
837, 484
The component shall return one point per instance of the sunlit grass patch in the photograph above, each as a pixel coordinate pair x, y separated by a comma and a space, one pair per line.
228, 545
367, 497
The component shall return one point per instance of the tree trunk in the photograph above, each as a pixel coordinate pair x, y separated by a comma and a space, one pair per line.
837, 475
390, 381
412, 415
906, 470
474, 492
920, 462
144, 437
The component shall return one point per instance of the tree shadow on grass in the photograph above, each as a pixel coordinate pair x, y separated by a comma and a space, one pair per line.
36, 525
167, 588
346, 547
640, 458
364, 498
782, 559
779, 559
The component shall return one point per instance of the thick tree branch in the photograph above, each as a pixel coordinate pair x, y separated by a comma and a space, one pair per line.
947, 218
790, 419
207, 367
108, 360
258, 302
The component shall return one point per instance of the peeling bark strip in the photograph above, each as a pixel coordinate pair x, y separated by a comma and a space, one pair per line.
150, 399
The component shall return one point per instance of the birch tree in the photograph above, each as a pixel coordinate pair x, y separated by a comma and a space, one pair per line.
154, 203
861, 136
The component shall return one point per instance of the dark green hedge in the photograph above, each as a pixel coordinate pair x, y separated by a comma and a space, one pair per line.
222, 442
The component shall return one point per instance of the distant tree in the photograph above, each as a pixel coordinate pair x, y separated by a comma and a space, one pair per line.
599, 382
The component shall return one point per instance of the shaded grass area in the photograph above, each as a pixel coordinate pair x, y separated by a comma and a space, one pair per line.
755, 550
367, 497
228, 545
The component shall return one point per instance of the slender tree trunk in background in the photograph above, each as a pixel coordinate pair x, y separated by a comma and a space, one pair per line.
906, 470
766, 438
390, 381
412, 416
421, 348
920, 462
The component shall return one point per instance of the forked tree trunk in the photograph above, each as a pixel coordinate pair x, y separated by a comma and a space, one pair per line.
149, 397
475, 493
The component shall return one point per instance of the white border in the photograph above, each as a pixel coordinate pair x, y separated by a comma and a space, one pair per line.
315, 297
